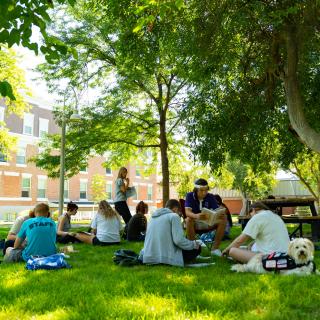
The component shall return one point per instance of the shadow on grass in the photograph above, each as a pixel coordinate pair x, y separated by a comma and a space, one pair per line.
95, 288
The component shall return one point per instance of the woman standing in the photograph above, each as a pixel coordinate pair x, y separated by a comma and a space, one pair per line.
120, 201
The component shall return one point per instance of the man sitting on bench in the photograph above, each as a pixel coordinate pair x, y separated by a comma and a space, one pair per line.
195, 201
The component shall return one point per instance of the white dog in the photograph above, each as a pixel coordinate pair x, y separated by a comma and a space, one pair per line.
300, 260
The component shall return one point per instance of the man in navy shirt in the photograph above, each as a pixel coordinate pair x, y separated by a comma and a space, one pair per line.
195, 201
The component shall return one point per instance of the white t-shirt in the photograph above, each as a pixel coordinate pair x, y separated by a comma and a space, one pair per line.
17, 224
269, 232
108, 229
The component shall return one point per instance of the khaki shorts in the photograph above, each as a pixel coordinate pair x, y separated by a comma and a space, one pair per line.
15, 255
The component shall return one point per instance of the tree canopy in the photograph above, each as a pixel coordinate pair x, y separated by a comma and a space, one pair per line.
18, 18
256, 70
140, 82
15, 75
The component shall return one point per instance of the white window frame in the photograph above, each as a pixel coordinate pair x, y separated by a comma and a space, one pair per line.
23, 154
138, 168
4, 163
136, 198
45, 179
86, 184
66, 189
26, 176
2, 114
28, 117
108, 174
43, 124
109, 184
150, 186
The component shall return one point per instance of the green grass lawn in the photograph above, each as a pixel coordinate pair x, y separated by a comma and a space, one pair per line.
95, 288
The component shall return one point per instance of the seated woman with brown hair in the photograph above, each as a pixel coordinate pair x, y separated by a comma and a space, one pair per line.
105, 227
137, 225
64, 225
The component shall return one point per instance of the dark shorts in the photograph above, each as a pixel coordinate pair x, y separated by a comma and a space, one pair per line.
67, 239
97, 242
15, 255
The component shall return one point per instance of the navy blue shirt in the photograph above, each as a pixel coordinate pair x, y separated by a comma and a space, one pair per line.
208, 202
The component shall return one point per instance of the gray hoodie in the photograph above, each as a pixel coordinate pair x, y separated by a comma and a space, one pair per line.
165, 239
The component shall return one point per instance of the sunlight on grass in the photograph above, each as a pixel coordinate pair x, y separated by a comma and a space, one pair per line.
12, 280
12, 313
183, 279
149, 305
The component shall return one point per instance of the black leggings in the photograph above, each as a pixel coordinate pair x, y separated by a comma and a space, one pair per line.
189, 255
67, 239
7, 244
123, 210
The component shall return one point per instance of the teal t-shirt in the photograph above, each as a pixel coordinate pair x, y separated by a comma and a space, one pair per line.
120, 196
41, 237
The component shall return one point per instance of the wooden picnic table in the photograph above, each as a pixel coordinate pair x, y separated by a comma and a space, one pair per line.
278, 204
275, 204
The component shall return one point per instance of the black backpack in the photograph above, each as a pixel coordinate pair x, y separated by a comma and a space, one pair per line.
124, 257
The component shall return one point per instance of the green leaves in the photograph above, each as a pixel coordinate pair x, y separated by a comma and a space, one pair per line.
6, 90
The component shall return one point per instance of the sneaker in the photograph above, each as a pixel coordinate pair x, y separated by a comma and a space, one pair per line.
216, 252
199, 257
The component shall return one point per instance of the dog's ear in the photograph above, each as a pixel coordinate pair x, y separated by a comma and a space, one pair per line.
310, 245
290, 248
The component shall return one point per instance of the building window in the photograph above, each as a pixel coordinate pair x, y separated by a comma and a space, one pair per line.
83, 169
109, 191
42, 187
3, 157
28, 124
150, 191
21, 155
1, 114
83, 189
136, 197
66, 189
43, 127
108, 171
138, 172
26, 187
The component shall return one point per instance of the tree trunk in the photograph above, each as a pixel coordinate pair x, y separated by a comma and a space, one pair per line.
307, 135
164, 158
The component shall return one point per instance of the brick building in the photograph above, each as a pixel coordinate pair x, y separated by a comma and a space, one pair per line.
22, 184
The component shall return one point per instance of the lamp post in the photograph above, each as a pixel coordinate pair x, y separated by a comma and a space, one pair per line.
73, 117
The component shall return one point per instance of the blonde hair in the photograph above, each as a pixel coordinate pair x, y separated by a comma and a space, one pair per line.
106, 210
121, 170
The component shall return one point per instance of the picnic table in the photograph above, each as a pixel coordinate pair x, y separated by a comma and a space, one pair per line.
277, 205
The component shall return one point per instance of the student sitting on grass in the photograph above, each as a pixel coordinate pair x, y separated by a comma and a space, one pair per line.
64, 225
105, 227
268, 231
11, 237
41, 234
137, 225
165, 241
196, 200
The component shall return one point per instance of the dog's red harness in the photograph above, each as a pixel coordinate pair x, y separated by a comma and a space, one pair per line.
277, 261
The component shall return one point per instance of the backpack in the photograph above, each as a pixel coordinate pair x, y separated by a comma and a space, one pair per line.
53, 262
123, 257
